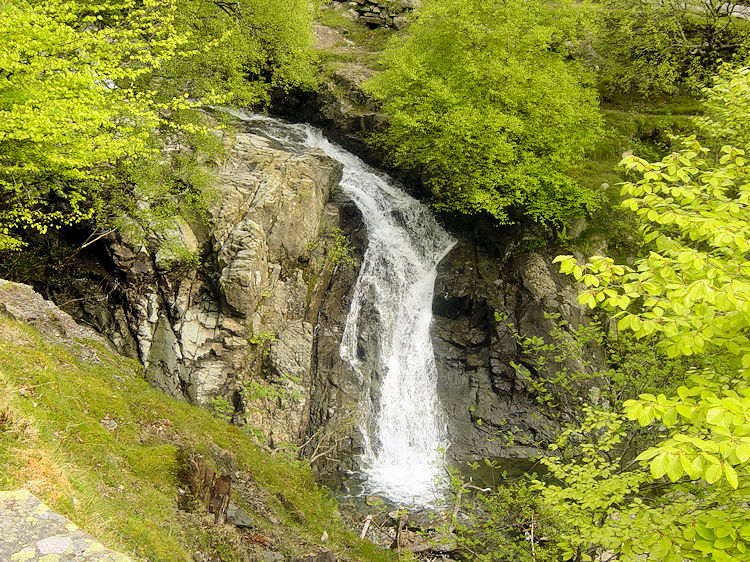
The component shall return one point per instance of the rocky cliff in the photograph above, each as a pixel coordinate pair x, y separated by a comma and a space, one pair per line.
222, 313
489, 291
244, 314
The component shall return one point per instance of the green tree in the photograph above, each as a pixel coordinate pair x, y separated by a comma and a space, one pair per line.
91, 93
663, 47
726, 108
485, 101
243, 49
692, 290
68, 120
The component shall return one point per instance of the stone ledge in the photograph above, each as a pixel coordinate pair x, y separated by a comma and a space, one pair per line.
29, 530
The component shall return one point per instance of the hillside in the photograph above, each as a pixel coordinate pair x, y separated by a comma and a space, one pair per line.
82, 430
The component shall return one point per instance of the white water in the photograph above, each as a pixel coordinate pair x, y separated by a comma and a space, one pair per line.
404, 431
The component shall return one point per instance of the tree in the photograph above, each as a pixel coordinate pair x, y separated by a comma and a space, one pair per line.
693, 291
91, 92
662, 47
726, 107
243, 49
483, 99
65, 124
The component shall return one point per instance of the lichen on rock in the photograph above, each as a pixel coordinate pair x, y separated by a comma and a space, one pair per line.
30, 531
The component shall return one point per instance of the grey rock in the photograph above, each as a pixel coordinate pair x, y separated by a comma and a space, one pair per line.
191, 328
483, 395
270, 556
351, 14
239, 517
21, 303
53, 545
29, 530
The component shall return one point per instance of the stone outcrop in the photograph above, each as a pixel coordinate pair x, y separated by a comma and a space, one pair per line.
222, 313
378, 13
29, 530
487, 289
21, 303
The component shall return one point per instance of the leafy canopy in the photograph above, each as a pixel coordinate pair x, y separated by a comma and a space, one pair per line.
255, 45
727, 107
693, 291
664, 47
91, 92
64, 122
482, 99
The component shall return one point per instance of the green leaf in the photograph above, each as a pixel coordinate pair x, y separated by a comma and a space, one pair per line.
658, 466
731, 475
713, 473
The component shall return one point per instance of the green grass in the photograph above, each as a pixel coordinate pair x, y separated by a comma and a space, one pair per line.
368, 43
360, 34
121, 485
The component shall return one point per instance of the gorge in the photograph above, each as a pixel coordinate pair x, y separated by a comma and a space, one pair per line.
342, 357
401, 420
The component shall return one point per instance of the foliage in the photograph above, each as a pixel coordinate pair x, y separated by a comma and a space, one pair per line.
255, 46
693, 291
221, 408
92, 92
64, 122
340, 252
483, 99
666, 46
563, 367
505, 523
263, 338
726, 107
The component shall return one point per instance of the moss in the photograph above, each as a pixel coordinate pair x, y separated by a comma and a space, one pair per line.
120, 483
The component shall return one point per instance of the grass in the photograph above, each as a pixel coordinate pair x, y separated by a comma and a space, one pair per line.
120, 484
368, 44
360, 34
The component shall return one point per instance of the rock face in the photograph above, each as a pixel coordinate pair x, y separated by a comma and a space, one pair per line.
492, 410
222, 313
245, 313
29, 530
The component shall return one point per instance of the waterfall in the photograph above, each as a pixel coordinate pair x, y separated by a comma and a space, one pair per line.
402, 428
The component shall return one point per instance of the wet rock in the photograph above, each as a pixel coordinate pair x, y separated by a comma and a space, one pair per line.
375, 501
492, 411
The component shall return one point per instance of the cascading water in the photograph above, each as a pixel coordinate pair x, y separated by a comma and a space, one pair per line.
403, 430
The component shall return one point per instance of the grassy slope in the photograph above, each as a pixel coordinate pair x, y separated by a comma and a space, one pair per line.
120, 485
645, 130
